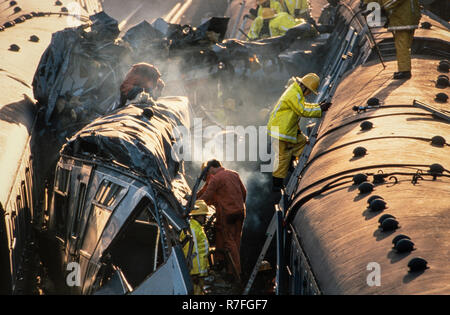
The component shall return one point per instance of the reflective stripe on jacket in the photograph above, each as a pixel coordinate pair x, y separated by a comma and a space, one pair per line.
283, 121
200, 250
277, 26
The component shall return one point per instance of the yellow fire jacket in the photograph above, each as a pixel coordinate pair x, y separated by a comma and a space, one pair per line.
200, 250
403, 14
277, 26
292, 5
283, 121
274, 4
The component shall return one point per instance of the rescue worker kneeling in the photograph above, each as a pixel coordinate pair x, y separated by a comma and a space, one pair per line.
199, 257
283, 123
270, 24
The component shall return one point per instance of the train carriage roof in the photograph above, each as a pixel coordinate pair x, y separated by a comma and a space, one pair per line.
139, 137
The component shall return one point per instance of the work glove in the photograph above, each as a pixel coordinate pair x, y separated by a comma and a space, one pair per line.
324, 105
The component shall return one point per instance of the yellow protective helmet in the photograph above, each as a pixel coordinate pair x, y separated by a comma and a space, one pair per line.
267, 13
311, 81
201, 208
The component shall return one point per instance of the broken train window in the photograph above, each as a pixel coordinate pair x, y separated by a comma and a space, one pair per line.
138, 250
60, 201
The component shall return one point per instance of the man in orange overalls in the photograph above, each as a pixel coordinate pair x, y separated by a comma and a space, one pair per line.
226, 192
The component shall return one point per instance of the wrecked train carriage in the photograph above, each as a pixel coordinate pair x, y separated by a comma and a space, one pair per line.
25, 32
378, 172
117, 206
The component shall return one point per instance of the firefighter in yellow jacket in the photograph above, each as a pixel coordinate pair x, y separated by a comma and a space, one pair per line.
273, 4
270, 24
200, 263
299, 9
404, 17
283, 123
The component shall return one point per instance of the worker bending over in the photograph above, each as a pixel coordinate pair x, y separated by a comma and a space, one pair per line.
270, 24
404, 17
199, 257
225, 190
284, 123
142, 77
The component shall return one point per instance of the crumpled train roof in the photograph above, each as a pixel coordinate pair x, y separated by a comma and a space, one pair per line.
128, 137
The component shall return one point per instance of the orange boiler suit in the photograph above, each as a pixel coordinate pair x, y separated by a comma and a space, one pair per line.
226, 192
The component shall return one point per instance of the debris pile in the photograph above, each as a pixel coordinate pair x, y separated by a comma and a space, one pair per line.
79, 75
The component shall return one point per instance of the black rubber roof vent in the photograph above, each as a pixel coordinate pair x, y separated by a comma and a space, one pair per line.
438, 141
64, 9
372, 198
417, 264
366, 125
365, 188
359, 178
436, 169
441, 98
444, 65
389, 224
17, 9
34, 39
12, 3
400, 237
377, 205
442, 81
359, 151
404, 245
384, 217
58, 2
14, 47
373, 101
9, 24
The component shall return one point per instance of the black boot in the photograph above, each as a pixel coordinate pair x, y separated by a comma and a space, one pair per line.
403, 75
277, 184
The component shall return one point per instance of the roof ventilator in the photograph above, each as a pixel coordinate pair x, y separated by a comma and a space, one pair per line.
372, 198
400, 237
359, 178
14, 47
373, 101
377, 205
404, 245
417, 264
359, 151
442, 81
438, 141
444, 65
441, 98
389, 224
384, 217
365, 188
34, 39
366, 125
436, 170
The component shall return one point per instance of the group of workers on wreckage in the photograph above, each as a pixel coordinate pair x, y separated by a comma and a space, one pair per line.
223, 188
